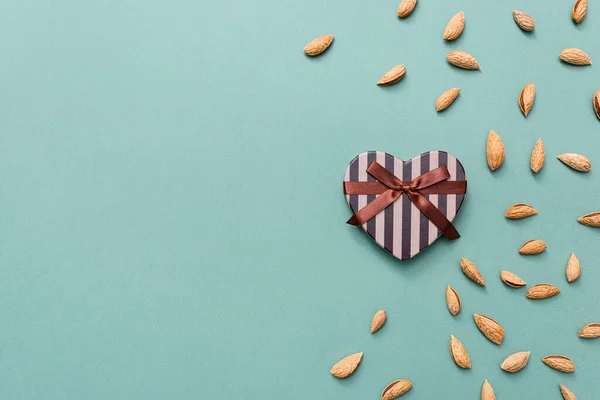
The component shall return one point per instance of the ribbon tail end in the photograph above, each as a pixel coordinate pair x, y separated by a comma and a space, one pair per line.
453, 235
353, 221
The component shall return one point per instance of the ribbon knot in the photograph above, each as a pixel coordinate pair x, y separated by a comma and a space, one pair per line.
390, 188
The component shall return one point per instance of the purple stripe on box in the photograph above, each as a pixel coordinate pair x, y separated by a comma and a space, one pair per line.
406, 214
353, 178
442, 198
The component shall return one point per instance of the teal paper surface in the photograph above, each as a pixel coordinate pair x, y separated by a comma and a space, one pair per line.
172, 218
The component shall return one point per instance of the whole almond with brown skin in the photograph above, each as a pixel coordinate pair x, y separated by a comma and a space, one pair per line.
524, 21
520, 210
462, 60
494, 151
487, 393
537, 156
591, 219
490, 328
532, 247
346, 366
378, 320
576, 161
392, 76
575, 56
471, 271
318, 45
446, 99
512, 280
455, 26
396, 389
573, 270
542, 291
452, 300
459, 353
526, 98
566, 393
579, 10
596, 103
559, 363
516, 362
590, 331
406, 7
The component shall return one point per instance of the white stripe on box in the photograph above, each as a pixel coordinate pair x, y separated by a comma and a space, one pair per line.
398, 167
380, 218
451, 197
415, 218
347, 179
433, 164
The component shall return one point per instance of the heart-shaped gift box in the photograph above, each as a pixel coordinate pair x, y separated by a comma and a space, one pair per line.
405, 205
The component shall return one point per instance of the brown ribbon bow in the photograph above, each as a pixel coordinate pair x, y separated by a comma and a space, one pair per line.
390, 188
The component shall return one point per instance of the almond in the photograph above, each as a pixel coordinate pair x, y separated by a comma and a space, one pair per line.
406, 7
459, 353
452, 300
512, 280
490, 328
455, 26
446, 99
318, 45
573, 270
527, 98
346, 366
471, 271
396, 389
494, 151
575, 56
596, 103
378, 321
566, 393
462, 60
524, 21
516, 362
537, 156
520, 210
392, 76
542, 291
590, 331
559, 363
579, 10
576, 161
532, 247
591, 219
487, 393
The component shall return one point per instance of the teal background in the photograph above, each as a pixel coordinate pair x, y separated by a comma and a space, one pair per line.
173, 224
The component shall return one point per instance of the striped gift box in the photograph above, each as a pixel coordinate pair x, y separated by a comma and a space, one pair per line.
401, 229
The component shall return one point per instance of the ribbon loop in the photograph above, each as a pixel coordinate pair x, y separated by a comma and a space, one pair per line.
384, 176
390, 188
